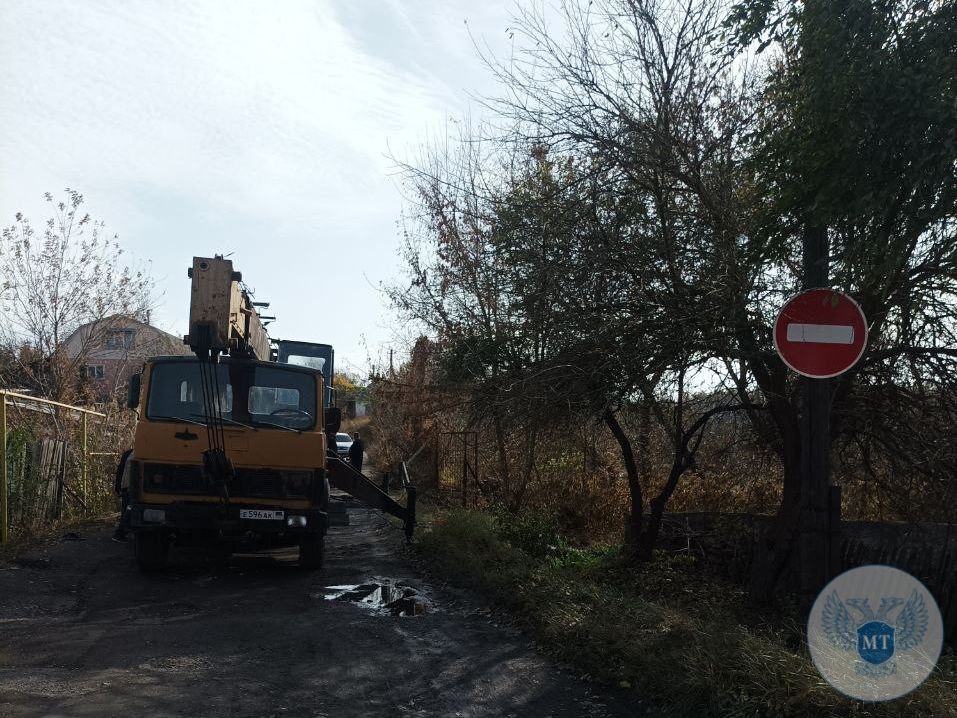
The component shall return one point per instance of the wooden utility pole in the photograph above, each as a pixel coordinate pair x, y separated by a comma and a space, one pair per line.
815, 523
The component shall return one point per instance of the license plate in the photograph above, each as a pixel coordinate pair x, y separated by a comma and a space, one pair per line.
261, 514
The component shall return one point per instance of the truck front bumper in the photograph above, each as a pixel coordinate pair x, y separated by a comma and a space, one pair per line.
230, 520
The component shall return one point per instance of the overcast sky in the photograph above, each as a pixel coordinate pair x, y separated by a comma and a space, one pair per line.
263, 129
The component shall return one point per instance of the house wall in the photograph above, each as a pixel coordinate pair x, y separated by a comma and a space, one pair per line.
90, 346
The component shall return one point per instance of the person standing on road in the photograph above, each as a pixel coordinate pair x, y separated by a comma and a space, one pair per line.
356, 452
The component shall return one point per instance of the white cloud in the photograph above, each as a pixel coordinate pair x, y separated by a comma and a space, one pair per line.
258, 128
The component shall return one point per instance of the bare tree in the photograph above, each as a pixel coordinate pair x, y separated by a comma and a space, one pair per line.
54, 281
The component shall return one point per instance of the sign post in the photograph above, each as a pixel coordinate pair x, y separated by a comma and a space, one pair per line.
820, 334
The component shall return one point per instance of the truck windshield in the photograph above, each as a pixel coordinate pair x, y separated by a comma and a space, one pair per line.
270, 397
311, 362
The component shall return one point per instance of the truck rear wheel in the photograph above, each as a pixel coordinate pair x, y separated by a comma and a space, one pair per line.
151, 549
312, 549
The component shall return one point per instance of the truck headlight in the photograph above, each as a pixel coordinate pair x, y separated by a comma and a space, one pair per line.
296, 522
296, 483
154, 516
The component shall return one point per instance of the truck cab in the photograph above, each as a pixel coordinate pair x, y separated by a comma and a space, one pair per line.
270, 419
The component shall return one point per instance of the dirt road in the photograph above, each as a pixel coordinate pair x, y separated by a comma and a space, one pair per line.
82, 633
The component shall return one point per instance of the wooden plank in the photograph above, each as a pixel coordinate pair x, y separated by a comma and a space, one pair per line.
61, 481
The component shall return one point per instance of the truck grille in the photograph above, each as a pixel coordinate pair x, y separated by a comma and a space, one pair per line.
174, 479
258, 483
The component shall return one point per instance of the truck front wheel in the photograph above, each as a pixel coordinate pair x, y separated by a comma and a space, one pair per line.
151, 549
312, 550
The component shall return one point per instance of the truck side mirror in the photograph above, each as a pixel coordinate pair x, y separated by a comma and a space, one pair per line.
333, 419
133, 392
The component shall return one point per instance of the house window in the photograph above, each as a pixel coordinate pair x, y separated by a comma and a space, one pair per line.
120, 338
94, 371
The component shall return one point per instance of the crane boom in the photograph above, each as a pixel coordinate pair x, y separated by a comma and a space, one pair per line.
222, 318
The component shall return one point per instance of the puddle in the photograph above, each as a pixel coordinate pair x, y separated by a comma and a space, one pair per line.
387, 598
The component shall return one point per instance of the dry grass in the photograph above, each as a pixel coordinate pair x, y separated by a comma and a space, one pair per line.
687, 640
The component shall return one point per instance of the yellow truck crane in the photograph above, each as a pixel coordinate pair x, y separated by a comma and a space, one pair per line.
232, 445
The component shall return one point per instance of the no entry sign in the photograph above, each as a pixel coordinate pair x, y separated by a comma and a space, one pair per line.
820, 333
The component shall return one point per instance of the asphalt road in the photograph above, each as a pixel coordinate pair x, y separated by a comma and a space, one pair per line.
83, 633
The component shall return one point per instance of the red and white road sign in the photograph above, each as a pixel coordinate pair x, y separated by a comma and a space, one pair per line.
820, 333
